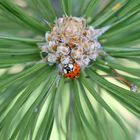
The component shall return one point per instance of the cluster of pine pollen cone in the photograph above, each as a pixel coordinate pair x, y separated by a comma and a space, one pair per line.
72, 45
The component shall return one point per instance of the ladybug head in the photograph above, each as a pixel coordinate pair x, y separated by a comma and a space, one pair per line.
68, 68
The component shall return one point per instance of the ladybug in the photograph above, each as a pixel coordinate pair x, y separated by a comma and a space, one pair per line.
71, 70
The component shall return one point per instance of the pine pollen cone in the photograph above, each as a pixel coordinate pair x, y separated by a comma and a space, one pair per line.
71, 43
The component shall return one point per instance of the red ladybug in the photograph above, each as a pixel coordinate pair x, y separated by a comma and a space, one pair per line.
71, 70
